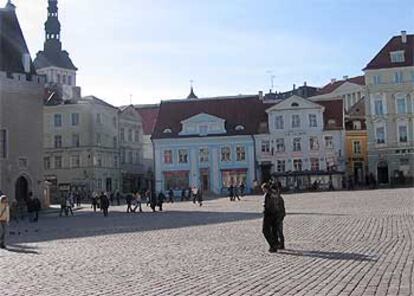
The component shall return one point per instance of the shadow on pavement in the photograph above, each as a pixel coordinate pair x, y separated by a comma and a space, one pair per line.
14, 248
329, 255
88, 224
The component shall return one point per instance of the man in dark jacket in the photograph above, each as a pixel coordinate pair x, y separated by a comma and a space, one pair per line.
37, 206
160, 201
104, 204
274, 213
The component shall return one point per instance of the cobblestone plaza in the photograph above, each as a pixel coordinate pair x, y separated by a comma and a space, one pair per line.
338, 243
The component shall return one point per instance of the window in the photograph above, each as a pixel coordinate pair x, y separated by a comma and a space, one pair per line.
122, 135
397, 56
239, 128
183, 156
241, 153
380, 135
98, 118
331, 123
58, 141
314, 143
329, 144
403, 134
314, 164
280, 145
168, 157
58, 162
130, 157
98, 139
64, 79
115, 141
330, 163
203, 130
401, 106
379, 108
312, 120
225, 154
279, 124
70, 80
294, 104
116, 161
167, 131
99, 184
123, 156
75, 119
75, 161
58, 78
281, 166
137, 157
98, 160
265, 146
46, 162
357, 148
297, 144
295, 121
357, 125
136, 136
3, 143
58, 120
204, 155
376, 79
297, 165
130, 135
75, 140
398, 77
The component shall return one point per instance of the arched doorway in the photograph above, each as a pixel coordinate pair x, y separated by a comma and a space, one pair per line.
382, 172
22, 190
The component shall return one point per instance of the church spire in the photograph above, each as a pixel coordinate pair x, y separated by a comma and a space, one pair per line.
52, 27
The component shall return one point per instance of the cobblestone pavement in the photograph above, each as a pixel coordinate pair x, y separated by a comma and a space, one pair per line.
340, 243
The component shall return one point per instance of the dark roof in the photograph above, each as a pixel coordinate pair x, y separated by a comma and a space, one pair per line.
304, 91
332, 86
246, 111
334, 109
54, 58
383, 59
12, 43
149, 117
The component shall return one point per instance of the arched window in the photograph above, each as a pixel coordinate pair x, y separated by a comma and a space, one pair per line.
294, 104
167, 131
239, 128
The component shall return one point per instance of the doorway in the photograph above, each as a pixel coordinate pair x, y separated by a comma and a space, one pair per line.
205, 180
358, 172
382, 172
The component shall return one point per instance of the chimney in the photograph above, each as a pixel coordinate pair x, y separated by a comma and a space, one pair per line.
305, 84
333, 80
404, 37
294, 86
260, 95
346, 77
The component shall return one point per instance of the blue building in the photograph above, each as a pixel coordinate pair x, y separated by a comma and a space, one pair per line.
207, 143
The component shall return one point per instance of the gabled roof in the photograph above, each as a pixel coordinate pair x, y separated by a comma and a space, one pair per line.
332, 86
334, 109
287, 104
149, 115
357, 110
247, 111
382, 59
12, 43
96, 100
60, 59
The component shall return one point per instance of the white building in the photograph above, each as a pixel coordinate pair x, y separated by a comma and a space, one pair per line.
304, 143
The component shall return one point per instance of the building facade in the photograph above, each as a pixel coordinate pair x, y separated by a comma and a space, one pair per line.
390, 111
303, 143
206, 143
21, 124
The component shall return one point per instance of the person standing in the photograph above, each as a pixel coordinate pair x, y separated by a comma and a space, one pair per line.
194, 193
118, 198
128, 200
94, 201
200, 197
231, 192
242, 188
171, 196
4, 219
160, 201
37, 206
104, 204
274, 214
138, 202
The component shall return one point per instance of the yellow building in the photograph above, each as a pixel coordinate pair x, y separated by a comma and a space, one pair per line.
356, 144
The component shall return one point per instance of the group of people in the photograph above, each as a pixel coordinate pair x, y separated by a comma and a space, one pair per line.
235, 192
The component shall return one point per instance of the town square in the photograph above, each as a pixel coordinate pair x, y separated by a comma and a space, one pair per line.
215, 147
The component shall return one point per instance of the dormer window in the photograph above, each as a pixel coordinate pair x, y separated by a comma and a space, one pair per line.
331, 123
397, 56
239, 128
167, 131
294, 104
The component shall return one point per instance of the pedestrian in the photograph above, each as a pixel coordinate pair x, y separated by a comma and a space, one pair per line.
231, 192
274, 214
137, 202
111, 198
183, 192
37, 206
242, 188
148, 197
104, 204
69, 205
94, 201
63, 205
29, 206
236, 193
171, 196
4, 220
118, 198
128, 200
160, 201
200, 197
153, 201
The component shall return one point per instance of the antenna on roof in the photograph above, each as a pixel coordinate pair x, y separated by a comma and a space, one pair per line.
272, 79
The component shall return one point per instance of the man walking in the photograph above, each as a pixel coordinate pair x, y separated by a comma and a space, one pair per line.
104, 204
37, 206
4, 220
274, 213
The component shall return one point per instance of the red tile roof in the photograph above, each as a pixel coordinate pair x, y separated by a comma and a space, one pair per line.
247, 111
332, 86
334, 109
149, 116
383, 59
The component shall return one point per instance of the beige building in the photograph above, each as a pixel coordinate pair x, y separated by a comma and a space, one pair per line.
21, 102
390, 111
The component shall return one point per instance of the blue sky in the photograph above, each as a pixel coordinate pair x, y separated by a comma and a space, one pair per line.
153, 48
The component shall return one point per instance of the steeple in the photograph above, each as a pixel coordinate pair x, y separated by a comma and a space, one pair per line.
52, 27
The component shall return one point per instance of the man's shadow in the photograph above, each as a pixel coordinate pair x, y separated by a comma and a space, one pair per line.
21, 249
329, 255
